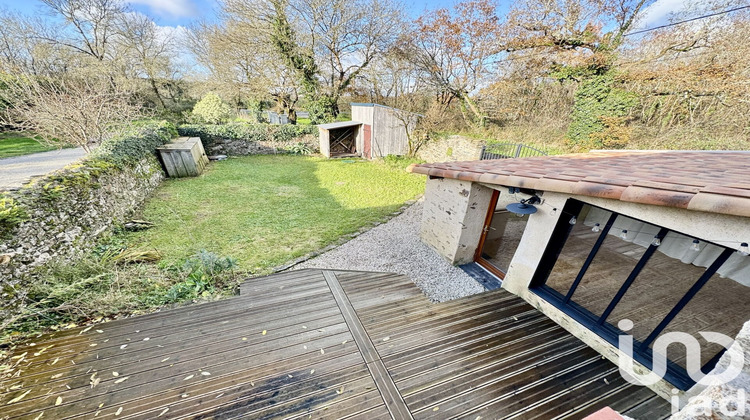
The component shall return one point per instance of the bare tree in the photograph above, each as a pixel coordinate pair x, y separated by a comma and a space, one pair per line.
240, 55
72, 110
148, 50
456, 49
325, 44
89, 25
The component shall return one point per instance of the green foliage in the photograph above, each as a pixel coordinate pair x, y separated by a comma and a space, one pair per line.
323, 110
140, 141
212, 110
599, 106
11, 214
209, 133
204, 272
300, 149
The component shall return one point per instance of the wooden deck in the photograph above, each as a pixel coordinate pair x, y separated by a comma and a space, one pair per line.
323, 344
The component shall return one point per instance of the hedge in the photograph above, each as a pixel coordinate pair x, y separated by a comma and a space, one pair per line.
210, 133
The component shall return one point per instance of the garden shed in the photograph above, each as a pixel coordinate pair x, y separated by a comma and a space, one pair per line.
609, 244
375, 131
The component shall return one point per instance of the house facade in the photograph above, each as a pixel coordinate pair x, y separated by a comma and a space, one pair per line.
645, 246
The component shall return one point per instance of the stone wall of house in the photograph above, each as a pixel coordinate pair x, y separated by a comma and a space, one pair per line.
451, 148
453, 217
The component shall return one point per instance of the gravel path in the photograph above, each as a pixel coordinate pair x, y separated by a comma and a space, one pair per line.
15, 171
395, 247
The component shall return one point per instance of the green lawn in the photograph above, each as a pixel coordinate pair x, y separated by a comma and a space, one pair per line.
266, 210
16, 144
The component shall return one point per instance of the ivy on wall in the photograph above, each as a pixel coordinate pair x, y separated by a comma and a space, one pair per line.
600, 111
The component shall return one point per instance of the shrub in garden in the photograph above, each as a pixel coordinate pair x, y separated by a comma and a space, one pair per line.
212, 110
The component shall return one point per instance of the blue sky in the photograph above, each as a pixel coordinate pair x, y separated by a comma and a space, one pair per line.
183, 12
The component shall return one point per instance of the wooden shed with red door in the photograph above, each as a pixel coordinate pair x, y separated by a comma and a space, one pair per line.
374, 132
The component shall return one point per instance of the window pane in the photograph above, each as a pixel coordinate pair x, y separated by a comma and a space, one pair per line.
577, 248
664, 280
721, 306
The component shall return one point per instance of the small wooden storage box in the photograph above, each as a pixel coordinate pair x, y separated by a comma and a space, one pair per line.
183, 157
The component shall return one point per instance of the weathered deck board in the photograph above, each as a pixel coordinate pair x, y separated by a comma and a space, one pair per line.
323, 344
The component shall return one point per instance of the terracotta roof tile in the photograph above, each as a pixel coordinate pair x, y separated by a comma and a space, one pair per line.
711, 181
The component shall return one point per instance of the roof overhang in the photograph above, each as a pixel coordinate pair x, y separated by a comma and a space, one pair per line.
341, 124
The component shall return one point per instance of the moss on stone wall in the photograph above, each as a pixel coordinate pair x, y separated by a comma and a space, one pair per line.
60, 216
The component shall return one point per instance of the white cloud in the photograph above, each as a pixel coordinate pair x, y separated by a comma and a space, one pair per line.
173, 8
658, 12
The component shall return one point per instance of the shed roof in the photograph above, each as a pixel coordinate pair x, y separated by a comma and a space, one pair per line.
341, 124
710, 181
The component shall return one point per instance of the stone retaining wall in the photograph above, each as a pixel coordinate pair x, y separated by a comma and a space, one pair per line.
60, 216
450, 149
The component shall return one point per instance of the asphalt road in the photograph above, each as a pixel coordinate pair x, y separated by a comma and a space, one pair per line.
16, 171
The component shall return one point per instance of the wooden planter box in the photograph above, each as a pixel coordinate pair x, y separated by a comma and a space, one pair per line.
183, 157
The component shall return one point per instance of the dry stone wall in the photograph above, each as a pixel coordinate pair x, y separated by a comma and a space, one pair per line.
451, 149
60, 216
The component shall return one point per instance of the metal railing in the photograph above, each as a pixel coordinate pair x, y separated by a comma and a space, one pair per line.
509, 151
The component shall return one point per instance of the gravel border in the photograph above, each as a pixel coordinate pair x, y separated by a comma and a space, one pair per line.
395, 247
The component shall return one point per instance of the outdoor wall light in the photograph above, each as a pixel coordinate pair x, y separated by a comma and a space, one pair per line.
744, 249
524, 207
573, 220
624, 234
597, 227
696, 245
656, 241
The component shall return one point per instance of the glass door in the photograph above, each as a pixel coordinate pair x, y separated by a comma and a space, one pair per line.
500, 238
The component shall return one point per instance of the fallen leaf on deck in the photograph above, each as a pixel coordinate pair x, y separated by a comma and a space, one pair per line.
312, 371
146, 339
340, 390
436, 409
100, 331
218, 395
322, 351
344, 342
304, 327
244, 338
163, 412
39, 416
387, 338
290, 376
58, 401
185, 395
54, 361
204, 373
122, 347
18, 398
165, 359
97, 413
84, 330
119, 410
305, 347
122, 379
188, 377
101, 405
56, 376
115, 374
264, 332
93, 345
